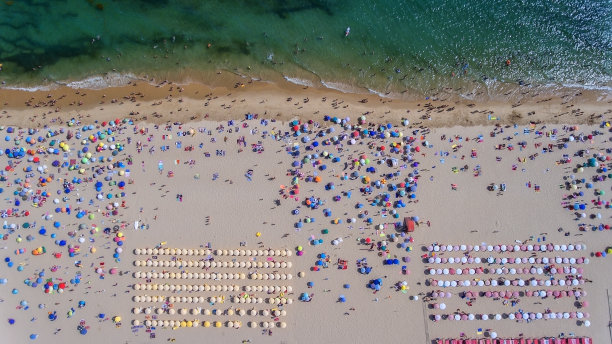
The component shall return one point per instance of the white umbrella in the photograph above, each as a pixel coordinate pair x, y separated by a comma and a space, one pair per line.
480, 283
507, 283
485, 317
587, 323
494, 282
511, 316
493, 335
464, 260
457, 317
498, 316
442, 306
477, 260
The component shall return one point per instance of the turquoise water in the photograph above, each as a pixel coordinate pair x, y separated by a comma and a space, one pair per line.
419, 46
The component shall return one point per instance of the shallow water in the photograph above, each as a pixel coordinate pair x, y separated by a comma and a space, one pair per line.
419, 46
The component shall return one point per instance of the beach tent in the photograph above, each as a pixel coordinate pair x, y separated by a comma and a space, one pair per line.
409, 224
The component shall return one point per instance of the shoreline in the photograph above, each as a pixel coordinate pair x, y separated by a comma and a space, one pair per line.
286, 99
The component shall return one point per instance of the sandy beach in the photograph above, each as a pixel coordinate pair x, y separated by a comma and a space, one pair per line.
244, 211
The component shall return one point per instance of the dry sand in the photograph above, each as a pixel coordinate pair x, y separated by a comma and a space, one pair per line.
230, 209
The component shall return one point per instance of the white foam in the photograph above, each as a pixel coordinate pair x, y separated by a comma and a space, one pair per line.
588, 87
30, 89
344, 88
380, 94
298, 81
101, 81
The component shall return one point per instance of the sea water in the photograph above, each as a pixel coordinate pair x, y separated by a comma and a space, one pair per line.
418, 47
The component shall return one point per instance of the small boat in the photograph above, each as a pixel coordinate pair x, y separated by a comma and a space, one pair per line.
347, 31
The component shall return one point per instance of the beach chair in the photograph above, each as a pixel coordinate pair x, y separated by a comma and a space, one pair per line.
586, 340
342, 264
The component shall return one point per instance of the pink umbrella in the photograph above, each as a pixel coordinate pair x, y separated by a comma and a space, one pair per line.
436, 306
585, 304
525, 260
448, 295
456, 248
529, 293
429, 248
515, 283
572, 315
487, 282
488, 294
437, 317
554, 282
523, 248
586, 314
470, 260
444, 260
496, 248
556, 293
579, 260
464, 317
549, 293
451, 271
539, 260
515, 294
470, 247
434, 294
531, 316
495, 294
536, 247
532, 270
502, 293
580, 270
550, 247
519, 315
